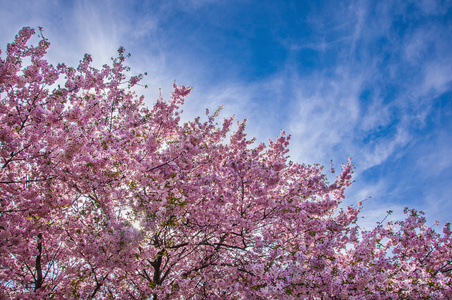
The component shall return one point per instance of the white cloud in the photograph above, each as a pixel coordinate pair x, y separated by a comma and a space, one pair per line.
436, 156
327, 111
432, 7
438, 76
97, 32
379, 151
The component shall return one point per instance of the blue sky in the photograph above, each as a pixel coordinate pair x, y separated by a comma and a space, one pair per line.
366, 79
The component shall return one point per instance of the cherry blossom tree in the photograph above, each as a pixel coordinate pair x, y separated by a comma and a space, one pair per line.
102, 197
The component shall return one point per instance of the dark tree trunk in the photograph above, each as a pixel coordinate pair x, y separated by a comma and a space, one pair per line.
38, 280
157, 272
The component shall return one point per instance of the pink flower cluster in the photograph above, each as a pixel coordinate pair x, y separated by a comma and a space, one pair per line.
102, 197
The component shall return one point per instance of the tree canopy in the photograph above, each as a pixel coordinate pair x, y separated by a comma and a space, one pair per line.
103, 197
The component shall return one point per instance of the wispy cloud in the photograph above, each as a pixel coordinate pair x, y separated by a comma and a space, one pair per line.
327, 110
98, 33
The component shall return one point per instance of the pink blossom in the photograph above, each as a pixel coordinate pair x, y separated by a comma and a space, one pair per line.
105, 198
